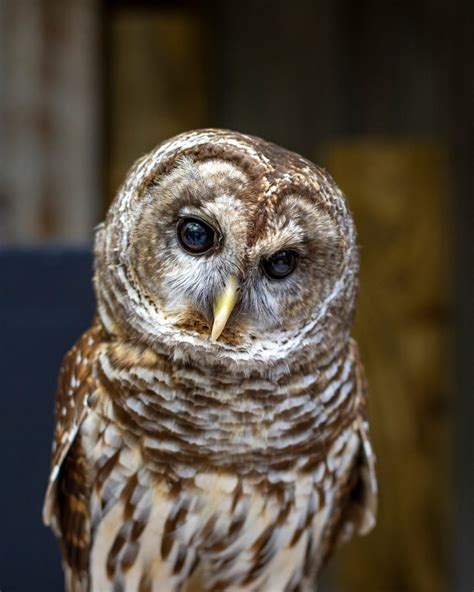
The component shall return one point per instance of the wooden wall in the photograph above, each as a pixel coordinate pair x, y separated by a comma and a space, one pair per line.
399, 193
51, 132
156, 81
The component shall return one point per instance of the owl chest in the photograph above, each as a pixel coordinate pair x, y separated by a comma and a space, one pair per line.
184, 419
209, 528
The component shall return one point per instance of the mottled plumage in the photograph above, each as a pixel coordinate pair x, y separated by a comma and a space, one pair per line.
187, 463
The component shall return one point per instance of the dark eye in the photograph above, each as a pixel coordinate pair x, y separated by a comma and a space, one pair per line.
280, 264
195, 235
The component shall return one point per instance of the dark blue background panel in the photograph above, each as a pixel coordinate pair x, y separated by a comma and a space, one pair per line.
46, 302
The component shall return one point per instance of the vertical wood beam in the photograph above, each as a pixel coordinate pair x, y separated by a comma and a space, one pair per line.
51, 137
398, 191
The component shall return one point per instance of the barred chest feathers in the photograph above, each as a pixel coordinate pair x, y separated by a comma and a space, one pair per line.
236, 483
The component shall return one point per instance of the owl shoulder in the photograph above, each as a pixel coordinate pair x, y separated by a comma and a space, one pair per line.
74, 399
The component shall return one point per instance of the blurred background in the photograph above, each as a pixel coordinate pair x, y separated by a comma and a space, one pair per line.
379, 93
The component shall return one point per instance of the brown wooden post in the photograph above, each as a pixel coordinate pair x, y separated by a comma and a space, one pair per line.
156, 82
398, 191
50, 141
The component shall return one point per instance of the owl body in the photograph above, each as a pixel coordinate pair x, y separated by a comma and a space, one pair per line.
187, 463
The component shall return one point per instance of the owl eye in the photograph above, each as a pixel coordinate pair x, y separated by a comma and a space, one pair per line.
280, 264
195, 236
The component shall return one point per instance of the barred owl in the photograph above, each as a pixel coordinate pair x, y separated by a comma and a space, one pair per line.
211, 426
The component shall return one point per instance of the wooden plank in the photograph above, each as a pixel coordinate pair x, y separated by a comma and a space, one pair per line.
398, 192
156, 82
51, 139
461, 87
21, 140
277, 71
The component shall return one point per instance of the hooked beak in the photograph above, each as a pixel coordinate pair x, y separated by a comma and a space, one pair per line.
223, 306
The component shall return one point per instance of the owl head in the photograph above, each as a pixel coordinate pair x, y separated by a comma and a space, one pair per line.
224, 247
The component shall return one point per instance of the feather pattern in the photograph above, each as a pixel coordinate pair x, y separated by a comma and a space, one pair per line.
185, 464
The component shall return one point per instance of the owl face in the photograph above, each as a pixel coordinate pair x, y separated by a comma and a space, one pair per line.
228, 249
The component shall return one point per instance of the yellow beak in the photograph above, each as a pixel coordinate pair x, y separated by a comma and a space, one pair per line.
223, 306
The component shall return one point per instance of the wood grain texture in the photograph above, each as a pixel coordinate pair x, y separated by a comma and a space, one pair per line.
398, 192
50, 140
156, 82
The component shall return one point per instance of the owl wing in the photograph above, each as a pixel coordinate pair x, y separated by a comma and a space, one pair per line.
66, 507
360, 507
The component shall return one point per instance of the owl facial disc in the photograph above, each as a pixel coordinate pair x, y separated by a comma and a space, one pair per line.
223, 306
